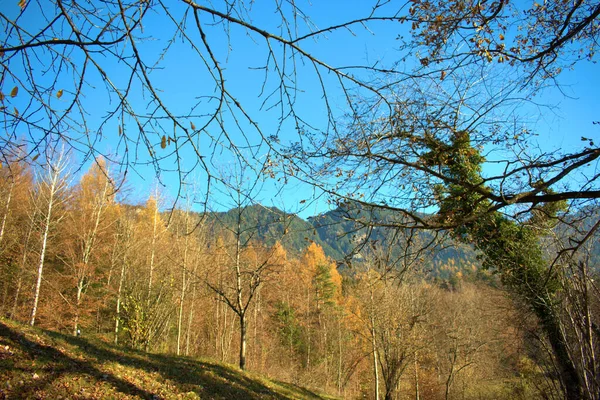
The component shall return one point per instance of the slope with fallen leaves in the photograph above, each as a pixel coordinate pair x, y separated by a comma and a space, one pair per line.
48, 365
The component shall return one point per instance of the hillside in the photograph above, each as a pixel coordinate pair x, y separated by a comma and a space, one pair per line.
269, 224
50, 365
338, 235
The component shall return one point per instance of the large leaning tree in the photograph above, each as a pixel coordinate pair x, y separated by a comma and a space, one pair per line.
449, 138
438, 127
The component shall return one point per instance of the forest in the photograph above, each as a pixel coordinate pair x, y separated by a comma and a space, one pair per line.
75, 258
444, 154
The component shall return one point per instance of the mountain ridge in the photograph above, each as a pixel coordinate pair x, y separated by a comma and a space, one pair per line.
340, 236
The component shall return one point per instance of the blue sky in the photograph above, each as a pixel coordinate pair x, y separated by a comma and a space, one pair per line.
182, 80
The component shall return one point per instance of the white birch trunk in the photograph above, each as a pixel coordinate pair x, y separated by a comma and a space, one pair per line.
184, 283
54, 175
6, 209
118, 307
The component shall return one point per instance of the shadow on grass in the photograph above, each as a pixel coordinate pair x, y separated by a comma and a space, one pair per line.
58, 364
308, 394
207, 380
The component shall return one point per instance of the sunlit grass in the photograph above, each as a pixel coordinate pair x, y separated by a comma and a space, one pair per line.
49, 365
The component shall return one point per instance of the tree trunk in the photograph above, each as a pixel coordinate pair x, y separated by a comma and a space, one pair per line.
241, 311
152, 250
451, 373
180, 318
569, 376
389, 394
340, 357
80, 284
89, 239
242, 341
417, 393
189, 324
46, 228
308, 330
374, 346
184, 284
6, 209
118, 309
217, 325
375, 356
40, 271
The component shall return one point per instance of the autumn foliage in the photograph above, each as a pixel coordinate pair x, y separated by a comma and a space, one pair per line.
166, 282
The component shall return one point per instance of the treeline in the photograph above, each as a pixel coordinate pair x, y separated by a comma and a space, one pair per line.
73, 258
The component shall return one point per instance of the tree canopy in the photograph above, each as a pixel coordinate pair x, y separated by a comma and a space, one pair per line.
85, 75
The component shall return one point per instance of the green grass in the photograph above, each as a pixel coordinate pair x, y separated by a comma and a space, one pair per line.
38, 364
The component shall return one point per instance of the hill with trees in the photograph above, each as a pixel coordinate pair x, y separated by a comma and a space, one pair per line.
223, 286
344, 237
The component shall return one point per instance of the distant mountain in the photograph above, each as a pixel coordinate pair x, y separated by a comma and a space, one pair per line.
348, 242
341, 237
340, 229
269, 225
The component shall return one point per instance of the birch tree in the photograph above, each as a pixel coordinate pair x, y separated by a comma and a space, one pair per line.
50, 197
89, 220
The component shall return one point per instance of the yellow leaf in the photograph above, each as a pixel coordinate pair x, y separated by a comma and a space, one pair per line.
163, 142
35, 157
59, 94
120, 130
22, 3
192, 126
443, 75
14, 92
501, 37
16, 112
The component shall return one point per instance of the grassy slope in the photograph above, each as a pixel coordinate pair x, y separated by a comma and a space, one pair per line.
49, 365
